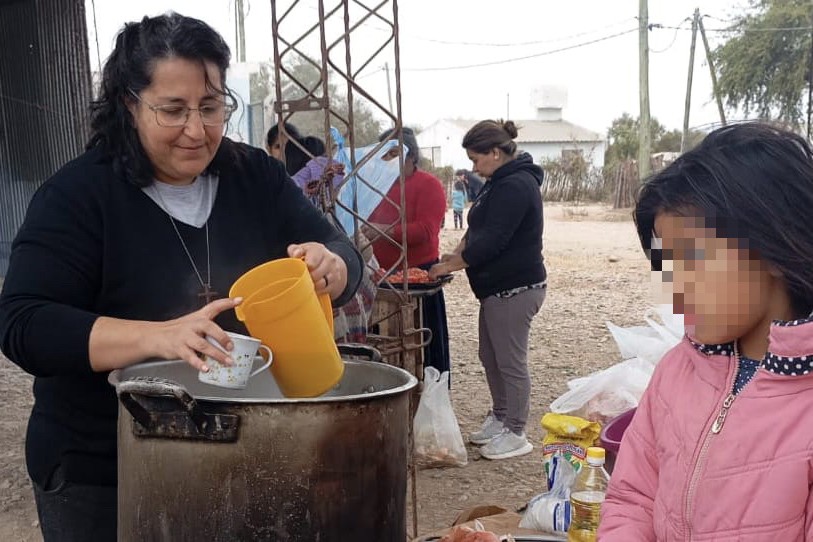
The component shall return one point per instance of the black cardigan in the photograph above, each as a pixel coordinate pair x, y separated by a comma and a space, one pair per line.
93, 244
504, 239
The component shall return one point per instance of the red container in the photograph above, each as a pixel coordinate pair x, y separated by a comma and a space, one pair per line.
611, 437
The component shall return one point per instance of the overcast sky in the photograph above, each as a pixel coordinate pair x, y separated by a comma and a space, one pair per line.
438, 36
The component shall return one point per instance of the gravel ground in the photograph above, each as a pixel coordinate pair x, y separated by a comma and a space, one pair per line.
596, 273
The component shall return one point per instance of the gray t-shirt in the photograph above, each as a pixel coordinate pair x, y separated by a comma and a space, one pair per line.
190, 204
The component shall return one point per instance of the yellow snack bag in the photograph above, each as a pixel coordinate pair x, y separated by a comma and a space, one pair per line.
568, 437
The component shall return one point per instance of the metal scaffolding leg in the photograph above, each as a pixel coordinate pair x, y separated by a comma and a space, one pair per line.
296, 28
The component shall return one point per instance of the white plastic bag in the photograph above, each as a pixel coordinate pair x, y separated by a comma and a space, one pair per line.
549, 512
602, 396
652, 341
606, 394
438, 442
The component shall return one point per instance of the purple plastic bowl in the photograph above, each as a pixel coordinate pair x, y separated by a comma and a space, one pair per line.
611, 436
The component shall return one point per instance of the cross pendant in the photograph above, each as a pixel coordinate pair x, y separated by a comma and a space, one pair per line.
208, 294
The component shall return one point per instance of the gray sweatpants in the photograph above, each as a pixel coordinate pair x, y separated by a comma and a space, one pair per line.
505, 324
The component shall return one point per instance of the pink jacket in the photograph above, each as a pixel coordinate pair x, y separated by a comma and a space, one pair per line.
678, 479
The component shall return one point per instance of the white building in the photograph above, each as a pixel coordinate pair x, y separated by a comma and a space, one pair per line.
546, 136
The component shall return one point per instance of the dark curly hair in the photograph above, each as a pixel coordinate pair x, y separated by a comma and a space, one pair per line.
129, 70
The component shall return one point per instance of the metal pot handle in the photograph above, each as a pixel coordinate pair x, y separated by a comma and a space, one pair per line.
186, 421
359, 351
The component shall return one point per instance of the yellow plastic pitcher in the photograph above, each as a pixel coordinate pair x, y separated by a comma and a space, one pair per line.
280, 307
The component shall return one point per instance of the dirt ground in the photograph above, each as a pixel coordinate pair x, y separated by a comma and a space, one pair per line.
597, 273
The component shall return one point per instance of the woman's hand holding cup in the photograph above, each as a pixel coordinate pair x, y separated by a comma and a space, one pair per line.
185, 337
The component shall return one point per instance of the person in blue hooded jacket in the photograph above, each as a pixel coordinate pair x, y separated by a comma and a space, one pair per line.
502, 254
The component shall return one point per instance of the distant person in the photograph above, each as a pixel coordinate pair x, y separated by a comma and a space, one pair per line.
296, 157
458, 203
502, 255
424, 209
320, 169
474, 184
276, 141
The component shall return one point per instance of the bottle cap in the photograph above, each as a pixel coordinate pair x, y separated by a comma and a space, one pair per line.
595, 455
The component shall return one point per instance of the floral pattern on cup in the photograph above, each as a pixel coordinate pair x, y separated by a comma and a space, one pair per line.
244, 355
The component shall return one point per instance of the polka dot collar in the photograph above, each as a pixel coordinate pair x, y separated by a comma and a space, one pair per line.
713, 349
781, 365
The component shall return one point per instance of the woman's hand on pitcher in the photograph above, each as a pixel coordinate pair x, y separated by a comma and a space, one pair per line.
328, 271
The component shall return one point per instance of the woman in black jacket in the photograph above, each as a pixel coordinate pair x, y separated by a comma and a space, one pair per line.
502, 255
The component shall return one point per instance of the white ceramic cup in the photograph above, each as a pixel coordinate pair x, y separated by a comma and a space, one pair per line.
244, 355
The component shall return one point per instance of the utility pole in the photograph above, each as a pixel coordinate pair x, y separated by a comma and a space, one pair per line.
688, 107
240, 30
710, 61
644, 133
507, 105
389, 88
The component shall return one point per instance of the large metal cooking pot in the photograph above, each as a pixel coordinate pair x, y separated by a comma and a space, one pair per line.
202, 463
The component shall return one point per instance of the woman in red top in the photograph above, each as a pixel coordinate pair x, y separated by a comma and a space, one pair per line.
424, 208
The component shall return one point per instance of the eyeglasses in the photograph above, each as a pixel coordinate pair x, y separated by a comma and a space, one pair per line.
175, 116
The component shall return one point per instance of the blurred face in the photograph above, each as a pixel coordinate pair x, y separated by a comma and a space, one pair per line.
179, 153
722, 288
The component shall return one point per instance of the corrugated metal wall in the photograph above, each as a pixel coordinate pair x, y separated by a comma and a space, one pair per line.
45, 89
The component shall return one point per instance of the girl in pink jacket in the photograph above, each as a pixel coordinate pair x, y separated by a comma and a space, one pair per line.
721, 447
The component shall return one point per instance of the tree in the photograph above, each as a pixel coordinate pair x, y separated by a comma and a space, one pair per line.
366, 127
623, 136
763, 67
261, 83
670, 141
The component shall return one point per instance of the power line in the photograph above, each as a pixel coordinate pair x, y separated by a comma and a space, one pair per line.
674, 38
526, 57
727, 21
515, 44
738, 29
368, 74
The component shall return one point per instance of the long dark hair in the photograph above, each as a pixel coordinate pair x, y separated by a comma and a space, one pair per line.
752, 182
129, 70
296, 158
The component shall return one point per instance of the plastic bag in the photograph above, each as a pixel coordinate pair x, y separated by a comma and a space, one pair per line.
549, 512
372, 179
606, 394
438, 442
652, 341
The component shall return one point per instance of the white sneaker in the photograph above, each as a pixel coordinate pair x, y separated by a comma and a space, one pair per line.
506, 444
491, 428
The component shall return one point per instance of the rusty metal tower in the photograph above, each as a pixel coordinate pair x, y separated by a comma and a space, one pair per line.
333, 38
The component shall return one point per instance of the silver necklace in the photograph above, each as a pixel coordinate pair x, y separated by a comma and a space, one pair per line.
208, 293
